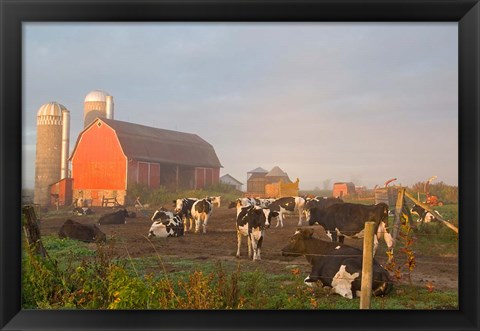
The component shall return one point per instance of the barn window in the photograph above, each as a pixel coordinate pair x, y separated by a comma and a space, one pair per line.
99, 124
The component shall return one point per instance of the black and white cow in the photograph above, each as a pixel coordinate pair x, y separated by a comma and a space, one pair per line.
338, 266
251, 223
166, 225
288, 205
83, 232
118, 217
184, 207
201, 211
348, 220
80, 211
424, 216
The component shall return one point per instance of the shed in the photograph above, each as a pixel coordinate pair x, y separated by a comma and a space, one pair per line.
230, 180
256, 184
342, 189
276, 174
110, 156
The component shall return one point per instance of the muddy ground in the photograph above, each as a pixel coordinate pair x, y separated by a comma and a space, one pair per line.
220, 243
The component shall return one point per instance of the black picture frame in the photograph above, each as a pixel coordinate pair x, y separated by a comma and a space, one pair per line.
14, 13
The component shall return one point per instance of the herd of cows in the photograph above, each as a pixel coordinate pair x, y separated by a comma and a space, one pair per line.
334, 263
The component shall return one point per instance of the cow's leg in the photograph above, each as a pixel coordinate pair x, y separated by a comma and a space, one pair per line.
375, 244
382, 231
300, 212
341, 238
239, 242
259, 247
191, 222
197, 224
249, 242
254, 246
280, 220
205, 221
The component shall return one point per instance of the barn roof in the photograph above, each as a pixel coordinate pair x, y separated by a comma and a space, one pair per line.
144, 143
258, 170
232, 178
276, 172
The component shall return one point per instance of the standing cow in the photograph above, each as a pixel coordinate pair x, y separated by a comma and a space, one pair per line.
184, 206
338, 266
201, 211
251, 223
288, 205
348, 220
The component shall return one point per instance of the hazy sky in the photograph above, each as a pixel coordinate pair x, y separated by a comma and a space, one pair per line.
345, 102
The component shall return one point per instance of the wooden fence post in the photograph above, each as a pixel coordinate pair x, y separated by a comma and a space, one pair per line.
367, 266
398, 212
32, 232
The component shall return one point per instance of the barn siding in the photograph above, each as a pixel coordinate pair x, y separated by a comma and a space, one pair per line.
99, 162
216, 175
199, 178
154, 175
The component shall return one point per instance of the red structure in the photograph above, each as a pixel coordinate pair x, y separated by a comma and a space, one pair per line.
110, 156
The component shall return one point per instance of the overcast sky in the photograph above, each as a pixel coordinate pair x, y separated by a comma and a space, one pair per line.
354, 102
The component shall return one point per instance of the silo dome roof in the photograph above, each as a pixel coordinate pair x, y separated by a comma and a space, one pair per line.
51, 109
96, 95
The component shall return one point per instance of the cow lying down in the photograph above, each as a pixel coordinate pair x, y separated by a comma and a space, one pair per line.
83, 232
336, 265
165, 224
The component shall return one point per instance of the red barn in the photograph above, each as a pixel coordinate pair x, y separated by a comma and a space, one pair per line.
110, 156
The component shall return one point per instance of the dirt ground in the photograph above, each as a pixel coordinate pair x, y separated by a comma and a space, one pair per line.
220, 243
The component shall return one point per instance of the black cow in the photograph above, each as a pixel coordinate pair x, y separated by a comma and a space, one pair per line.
166, 224
348, 219
184, 206
251, 223
118, 217
83, 232
288, 205
338, 266
321, 202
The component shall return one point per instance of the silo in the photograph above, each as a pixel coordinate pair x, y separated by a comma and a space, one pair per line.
48, 163
95, 105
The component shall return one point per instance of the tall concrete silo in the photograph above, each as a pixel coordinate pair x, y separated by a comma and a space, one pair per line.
51, 164
97, 104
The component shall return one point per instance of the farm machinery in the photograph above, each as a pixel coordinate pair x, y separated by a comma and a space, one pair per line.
431, 200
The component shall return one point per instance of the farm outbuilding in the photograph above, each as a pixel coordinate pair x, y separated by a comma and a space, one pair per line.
274, 183
110, 156
343, 189
230, 180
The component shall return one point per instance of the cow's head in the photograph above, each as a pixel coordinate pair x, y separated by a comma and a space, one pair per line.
309, 215
178, 205
296, 245
159, 215
98, 236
